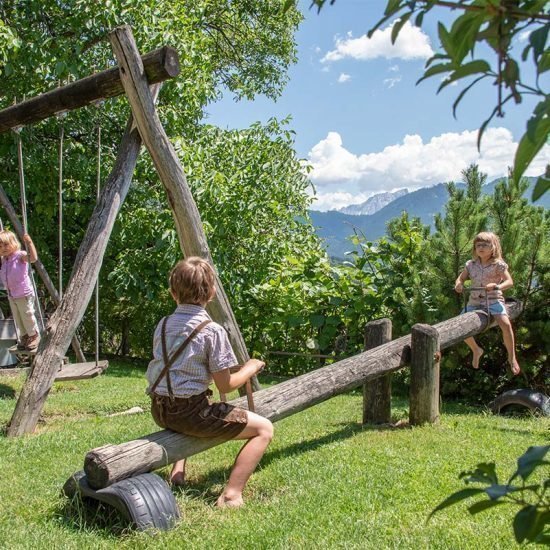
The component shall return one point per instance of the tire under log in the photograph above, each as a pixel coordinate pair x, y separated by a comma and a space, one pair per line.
111, 463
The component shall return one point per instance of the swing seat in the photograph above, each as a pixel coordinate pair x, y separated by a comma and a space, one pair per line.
80, 371
67, 371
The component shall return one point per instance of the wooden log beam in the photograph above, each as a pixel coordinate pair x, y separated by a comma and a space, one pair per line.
38, 266
186, 214
158, 65
111, 463
69, 313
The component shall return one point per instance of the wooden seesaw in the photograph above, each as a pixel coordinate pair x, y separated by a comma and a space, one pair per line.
114, 470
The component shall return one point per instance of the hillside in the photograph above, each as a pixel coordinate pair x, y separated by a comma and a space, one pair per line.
336, 228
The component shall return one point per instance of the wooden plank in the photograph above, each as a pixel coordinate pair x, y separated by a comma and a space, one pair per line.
158, 65
186, 214
111, 463
81, 371
67, 372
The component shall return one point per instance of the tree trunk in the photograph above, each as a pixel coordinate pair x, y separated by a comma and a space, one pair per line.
159, 65
110, 463
187, 218
69, 313
377, 393
125, 338
39, 266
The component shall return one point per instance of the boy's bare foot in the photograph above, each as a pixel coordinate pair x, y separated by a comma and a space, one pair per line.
476, 358
514, 367
177, 479
226, 502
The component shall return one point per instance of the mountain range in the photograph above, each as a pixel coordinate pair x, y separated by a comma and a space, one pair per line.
335, 227
372, 204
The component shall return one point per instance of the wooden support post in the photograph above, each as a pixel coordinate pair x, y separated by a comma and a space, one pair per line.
38, 266
377, 393
70, 311
424, 390
111, 463
187, 218
159, 65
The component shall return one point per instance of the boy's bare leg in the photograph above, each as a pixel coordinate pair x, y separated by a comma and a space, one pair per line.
177, 475
259, 432
476, 350
508, 337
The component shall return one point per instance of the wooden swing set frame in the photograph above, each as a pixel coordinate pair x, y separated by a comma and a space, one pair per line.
139, 78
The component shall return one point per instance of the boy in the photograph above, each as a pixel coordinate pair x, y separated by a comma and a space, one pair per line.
190, 351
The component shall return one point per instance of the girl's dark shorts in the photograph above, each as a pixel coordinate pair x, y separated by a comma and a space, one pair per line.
198, 416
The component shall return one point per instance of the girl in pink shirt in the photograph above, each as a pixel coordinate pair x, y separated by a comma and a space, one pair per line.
489, 271
15, 278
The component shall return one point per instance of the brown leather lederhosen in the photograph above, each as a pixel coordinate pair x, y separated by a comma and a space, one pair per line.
194, 415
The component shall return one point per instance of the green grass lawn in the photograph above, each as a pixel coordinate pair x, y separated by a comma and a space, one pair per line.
325, 481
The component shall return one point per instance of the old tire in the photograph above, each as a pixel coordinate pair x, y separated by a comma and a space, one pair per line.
145, 500
534, 401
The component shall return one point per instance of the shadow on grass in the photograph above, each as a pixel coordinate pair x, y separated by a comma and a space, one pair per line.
207, 487
6, 392
86, 514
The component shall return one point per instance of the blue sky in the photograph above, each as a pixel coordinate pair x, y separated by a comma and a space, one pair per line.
363, 123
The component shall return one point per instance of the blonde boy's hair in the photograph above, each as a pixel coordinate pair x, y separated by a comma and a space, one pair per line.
192, 281
9, 238
490, 238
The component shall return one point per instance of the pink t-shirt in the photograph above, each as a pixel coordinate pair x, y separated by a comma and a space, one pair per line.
15, 275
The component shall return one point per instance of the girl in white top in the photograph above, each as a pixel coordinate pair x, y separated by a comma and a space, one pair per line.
489, 271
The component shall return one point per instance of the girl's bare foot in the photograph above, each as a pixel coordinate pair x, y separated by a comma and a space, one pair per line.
514, 367
177, 479
476, 358
225, 502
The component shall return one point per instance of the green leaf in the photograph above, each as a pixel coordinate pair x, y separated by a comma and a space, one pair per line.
398, 25
474, 67
541, 187
530, 145
544, 63
317, 320
436, 69
456, 497
392, 7
287, 5
537, 40
528, 462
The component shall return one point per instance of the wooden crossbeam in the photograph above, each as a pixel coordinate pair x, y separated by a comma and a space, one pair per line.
158, 65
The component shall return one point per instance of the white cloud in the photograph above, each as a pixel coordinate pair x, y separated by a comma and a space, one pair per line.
411, 43
394, 69
412, 163
343, 78
391, 82
524, 36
